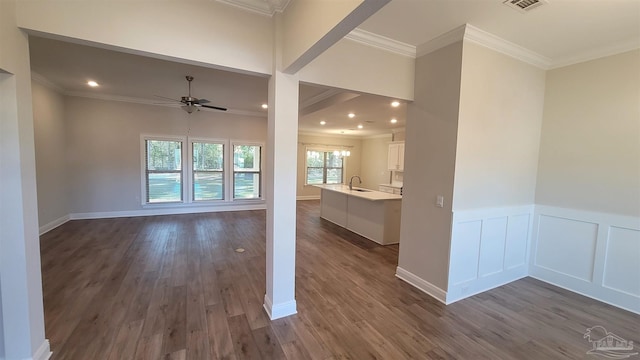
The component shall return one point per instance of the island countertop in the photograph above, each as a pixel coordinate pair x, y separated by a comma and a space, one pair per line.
367, 194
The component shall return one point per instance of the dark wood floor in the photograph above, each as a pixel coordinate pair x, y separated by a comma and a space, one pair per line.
173, 287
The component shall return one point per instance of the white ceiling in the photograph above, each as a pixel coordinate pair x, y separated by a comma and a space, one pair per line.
139, 78
564, 31
135, 78
560, 30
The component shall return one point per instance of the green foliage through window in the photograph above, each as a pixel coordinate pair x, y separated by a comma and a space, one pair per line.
163, 171
246, 171
208, 171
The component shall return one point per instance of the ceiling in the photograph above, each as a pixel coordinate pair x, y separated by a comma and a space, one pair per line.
560, 30
563, 31
140, 79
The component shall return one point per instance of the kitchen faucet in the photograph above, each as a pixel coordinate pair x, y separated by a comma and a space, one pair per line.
351, 181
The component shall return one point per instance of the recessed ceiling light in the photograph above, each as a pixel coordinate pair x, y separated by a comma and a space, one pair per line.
323, 122
393, 121
360, 126
92, 83
395, 103
265, 106
352, 115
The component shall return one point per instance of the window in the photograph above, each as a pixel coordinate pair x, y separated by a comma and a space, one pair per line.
163, 170
324, 167
246, 171
208, 171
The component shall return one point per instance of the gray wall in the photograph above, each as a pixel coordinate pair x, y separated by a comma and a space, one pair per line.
88, 150
51, 163
501, 104
103, 149
590, 145
373, 170
430, 153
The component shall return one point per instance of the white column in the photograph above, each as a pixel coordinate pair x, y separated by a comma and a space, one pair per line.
282, 147
20, 279
21, 310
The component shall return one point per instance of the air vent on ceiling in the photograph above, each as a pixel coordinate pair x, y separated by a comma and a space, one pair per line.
524, 5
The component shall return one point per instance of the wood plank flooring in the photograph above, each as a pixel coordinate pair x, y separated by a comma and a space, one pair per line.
173, 287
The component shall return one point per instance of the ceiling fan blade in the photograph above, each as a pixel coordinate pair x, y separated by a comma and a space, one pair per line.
166, 98
214, 107
165, 103
202, 101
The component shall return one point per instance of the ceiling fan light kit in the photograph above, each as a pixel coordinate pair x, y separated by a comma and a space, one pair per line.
189, 108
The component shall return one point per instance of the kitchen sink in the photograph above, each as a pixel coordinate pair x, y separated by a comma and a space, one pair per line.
361, 190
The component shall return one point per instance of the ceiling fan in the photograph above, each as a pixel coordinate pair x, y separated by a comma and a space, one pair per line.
191, 104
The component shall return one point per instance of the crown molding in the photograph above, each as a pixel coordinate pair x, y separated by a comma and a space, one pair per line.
614, 49
46, 82
319, 97
328, 135
141, 101
261, 7
441, 41
483, 38
379, 136
381, 42
118, 98
473, 34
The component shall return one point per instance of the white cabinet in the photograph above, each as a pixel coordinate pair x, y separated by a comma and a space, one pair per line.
396, 156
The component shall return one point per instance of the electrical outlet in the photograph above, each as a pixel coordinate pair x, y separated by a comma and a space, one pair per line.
440, 201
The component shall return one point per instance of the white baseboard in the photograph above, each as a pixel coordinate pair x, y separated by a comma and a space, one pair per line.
550, 280
173, 210
167, 211
462, 291
422, 285
308, 197
44, 351
54, 224
279, 310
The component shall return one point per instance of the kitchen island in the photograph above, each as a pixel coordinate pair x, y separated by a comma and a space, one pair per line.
372, 214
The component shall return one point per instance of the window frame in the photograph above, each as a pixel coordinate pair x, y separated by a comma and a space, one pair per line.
144, 198
325, 151
233, 171
192, 170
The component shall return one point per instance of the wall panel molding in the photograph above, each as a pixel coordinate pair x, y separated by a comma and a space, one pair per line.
489, 248
605, 245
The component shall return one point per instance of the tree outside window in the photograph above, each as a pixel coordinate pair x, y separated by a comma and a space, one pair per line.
246, 171
208, 171
163, 171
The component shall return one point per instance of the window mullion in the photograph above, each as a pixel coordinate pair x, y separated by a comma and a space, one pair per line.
324, 168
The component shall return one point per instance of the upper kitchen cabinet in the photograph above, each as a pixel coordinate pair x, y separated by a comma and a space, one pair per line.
396, 156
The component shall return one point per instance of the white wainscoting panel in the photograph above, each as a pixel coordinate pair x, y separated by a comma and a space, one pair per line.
622, 261
567, 246
594, 254
465, 249
489, 248
492, 242
515, 251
